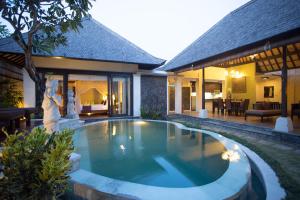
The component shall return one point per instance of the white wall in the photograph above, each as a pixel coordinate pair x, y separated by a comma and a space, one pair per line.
136, 95
29, 90
178, 95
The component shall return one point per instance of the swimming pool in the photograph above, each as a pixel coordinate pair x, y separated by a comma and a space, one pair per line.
154, 155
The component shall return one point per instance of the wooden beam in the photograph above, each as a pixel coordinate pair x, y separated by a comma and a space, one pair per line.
278, 66
290, 57
284, 78
296, 50
268, 60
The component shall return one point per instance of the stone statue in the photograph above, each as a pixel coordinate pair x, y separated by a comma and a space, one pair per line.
51, 104
72, 114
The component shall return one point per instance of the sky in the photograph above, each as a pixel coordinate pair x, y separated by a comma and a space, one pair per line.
163, 28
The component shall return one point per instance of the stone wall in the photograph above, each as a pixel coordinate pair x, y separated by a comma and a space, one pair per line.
154, 94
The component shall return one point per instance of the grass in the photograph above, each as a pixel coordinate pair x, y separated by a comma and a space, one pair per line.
284, 159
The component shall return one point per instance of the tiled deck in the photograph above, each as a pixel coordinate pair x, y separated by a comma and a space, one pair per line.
269, 122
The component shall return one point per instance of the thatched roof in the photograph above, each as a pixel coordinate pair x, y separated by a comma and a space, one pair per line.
256, 21
94, 42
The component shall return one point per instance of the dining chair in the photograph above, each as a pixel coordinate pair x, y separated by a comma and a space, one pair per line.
228, 106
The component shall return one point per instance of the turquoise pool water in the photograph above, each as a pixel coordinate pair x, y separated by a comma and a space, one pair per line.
150, 153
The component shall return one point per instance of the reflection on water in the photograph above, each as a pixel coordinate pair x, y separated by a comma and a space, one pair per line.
151, 153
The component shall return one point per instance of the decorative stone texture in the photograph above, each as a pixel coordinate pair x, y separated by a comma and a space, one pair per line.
75, 162
154, 94
69, 124
284, 124
71, 113
51, 105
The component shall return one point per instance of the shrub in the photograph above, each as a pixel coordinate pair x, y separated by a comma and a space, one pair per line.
10, 95
151, 114
36, 165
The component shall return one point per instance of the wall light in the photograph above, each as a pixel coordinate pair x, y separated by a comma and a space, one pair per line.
193, 94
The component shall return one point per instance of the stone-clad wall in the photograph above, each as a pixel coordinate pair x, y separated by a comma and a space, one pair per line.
154, 94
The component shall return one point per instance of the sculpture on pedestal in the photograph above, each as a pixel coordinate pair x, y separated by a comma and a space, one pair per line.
51, 104
71, 113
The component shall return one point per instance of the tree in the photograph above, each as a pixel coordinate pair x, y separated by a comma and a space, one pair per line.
4, 32
45, 22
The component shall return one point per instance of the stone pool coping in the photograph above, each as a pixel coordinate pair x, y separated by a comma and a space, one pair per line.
232, 184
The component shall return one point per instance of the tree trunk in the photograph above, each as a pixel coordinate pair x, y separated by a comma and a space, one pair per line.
39, 82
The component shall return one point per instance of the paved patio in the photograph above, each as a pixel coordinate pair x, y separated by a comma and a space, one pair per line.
269, 122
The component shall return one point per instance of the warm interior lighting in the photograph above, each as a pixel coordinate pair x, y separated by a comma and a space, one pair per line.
122, 147
140, 122
20, 104
226, 73
193, 94
231, 155
236, 74
253, 56
89, 114
57, 57
23, 118
114, 130
265, 78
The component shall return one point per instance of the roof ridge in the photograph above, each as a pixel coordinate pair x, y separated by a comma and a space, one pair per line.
209, 30
124, 39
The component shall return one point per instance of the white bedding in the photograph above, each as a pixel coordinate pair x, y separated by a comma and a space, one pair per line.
97, 107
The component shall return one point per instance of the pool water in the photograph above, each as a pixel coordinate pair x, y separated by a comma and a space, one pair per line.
150, 153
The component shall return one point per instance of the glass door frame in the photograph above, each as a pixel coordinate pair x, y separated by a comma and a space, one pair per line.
129, 97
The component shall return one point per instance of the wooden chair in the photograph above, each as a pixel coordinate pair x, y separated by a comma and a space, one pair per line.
221, 106
244, 106
228, 106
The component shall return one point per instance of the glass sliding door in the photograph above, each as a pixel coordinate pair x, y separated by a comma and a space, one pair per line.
120, 95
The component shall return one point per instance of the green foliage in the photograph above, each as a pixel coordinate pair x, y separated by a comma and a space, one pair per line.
10, 96
51, 17
35, 165
151, 114
4, 32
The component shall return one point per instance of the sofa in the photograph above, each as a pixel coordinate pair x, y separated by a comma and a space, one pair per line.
264, 109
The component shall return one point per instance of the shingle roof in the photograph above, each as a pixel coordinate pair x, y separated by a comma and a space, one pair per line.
255, 21
94, 42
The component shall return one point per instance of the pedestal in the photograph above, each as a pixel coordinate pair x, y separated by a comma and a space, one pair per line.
203, 114
284, 124
69, 123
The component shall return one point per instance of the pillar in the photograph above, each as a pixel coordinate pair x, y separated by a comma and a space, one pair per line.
178, 95
29, 90
136, 95
65, 92
284, 123
203, 112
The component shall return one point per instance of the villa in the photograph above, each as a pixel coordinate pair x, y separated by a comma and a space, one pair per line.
250, 57
221, 120
105, 71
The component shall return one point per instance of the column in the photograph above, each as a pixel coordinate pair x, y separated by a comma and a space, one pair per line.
284, 123
178, 95
65, 92
203, 112
136, 95
29, 90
